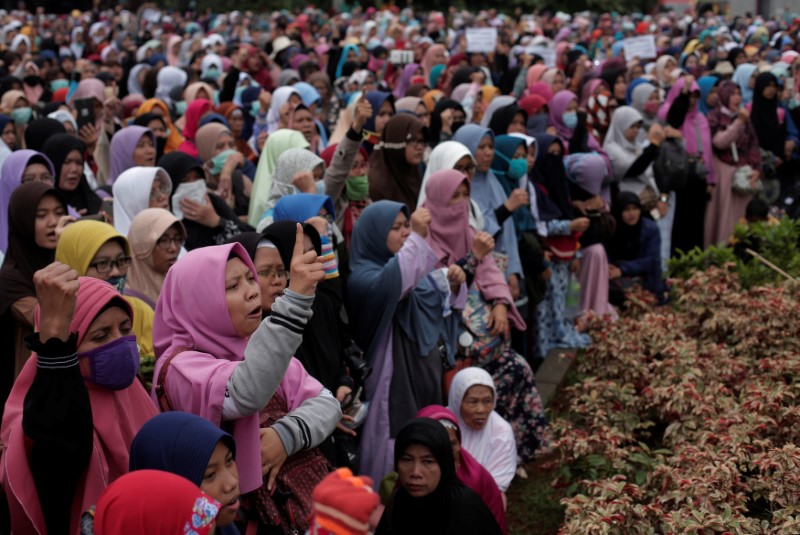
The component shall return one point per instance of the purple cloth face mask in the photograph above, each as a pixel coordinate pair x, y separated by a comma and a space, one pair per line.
114, 365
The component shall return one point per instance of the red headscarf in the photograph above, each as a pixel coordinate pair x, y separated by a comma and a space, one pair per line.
194, 112
151, 501
117, 416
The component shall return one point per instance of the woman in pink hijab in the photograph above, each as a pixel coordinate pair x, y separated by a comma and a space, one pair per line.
194, 113
67, 427
218, 360
435, 55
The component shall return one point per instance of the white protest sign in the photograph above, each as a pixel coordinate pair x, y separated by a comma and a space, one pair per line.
547, 54
643, 47
481, 39
401, 57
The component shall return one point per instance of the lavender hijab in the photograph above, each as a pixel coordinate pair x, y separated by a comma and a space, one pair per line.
122, 146
10, 178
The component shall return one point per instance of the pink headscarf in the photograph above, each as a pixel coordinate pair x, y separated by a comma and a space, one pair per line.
535, 73
693, 122
428, 61
172, 59
542, 89
558, 104
471, 472
450, 236
195, 326
117, 415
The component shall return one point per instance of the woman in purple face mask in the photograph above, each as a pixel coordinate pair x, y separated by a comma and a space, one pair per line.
76, 405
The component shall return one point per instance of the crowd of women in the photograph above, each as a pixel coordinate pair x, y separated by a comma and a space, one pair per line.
243, 250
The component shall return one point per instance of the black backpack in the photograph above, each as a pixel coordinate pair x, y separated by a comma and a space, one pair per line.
671, 167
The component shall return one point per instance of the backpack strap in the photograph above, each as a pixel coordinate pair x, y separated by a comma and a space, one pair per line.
162, 394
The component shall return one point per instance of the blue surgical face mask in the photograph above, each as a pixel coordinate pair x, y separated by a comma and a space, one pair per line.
113, 365
517, 168
22, 115
321, 187
212, 72
570, 119
118, 283
180, 107
218, 161
255, 108
55, 85
215, 97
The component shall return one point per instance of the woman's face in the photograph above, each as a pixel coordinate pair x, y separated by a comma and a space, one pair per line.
110, 251
158, 127
423, 114
572, 106
620, 87
236, 120
517, 125
294, 100
465, 165
485, 154
243, 297
633, 131
653, 97
384, 114
112, 324
691, 62
360, 166
558, 83
555, 149
461, 194
69, 128
37, 172
71, 171
399, 233
712, 99
272, 277
225, 142
418, 471
770, 91
159, 194
21, 103
735, 100
751, 83
476, 406
454, 443
144, 155
631, 215
531, 155
739, 59
439, 56
10, 134
221, 482
48, 212
415, 149
202, 93
165, 253
304, 123
193, 175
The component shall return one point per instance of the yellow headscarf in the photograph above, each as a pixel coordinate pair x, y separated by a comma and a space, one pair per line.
77, 247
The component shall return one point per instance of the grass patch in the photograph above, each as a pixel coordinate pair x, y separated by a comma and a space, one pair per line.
533, 504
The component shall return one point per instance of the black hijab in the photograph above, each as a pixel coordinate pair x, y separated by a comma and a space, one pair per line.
462, 76
771, 133
23, 256
502, 118
144, 120
435, 129
625, 244
550, 176
451, 508
40, 130
57, 148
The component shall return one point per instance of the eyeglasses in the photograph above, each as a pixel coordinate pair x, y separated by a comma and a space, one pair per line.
104, 266
269, 273
158, 192
165, 241
420, 142
44, 177
360, 165
467, 169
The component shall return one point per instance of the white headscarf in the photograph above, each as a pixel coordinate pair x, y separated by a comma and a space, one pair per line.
498, 102
623, 153
279, 98
167, 79
131, 193
494, 445
134, 87
63, 116
287, 166
445, 155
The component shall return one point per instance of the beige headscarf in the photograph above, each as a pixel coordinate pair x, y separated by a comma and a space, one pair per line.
207, 137
147, 227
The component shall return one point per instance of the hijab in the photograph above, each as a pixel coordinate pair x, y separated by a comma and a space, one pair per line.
207, 137
131, 194
390, 174
343, 58
196, 324
116, 416
405, 80
167, 79
10, 98
408, 104
451, 508
504, 149
276, 144
641, 95
769, 130
557, 106
279, 98
39, 131
428, 60
435, 129
623, 153
10, 179
194, 112
134, 86
496, 103
625, 244
178, 442
123, 144
451, 238
376, 100
742, 76
177, 165
152, 501
549, 174
174, 139
57, 148
81, 241
145, 230
706, 84
302, 206
191, 91
287, 166
470, 472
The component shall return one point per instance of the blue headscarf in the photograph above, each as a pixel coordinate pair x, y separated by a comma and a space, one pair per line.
742, 76
504, 148
343, 58
308, 93
489, 194
302, 206
376, 99
177, 442
706, 83
631, 86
